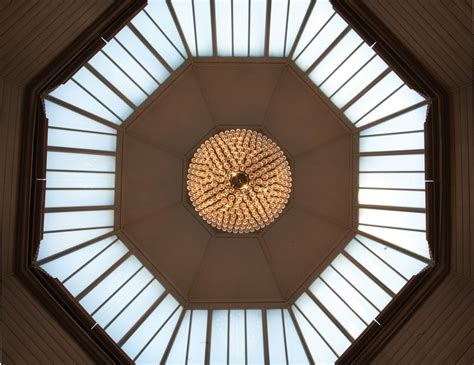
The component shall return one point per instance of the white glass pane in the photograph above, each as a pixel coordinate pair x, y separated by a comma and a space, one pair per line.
72, 220
119, 327
177, 354
86, 140
392, 142
324, 39
392, 163
351, 296
296, 353
80, 161
62, 117
372, 97
115, 51
361, 281
241, 27
415, 180
337, 308
102, 92
254, 337
237, 337
323, 324
278, 28
58, 179
202, 10
72, 93
224, 28
219, 337
334, 58
184, 12
404, 264
197, 340
346, 70
409, 240
298, 10
79, 198
118, 78
376, 266
276, 340
407, 122
53, 243
361, 79
110, 284
399, 198
64, 266
320, 351
392, 218
156, 38
150, 326
258, 14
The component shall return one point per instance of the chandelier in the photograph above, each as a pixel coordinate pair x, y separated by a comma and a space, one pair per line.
239, 181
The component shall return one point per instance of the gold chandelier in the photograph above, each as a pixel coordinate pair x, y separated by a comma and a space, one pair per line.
239, 181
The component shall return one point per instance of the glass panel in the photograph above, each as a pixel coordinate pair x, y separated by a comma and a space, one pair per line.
392, 180
237, 337
298, 10
57, 179
80, 161
278, 28
254, 337
400, 198
296, 353
391, 218
72, 220
241, 27
202, 9
224, 28
184, 12
393, 142
197, 341
392, 163
79, 198
177, 354
73, 139
276, 340
258, 14
219, 337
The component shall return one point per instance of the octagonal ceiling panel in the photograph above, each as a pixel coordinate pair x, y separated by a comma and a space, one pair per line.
238, 94
234, 269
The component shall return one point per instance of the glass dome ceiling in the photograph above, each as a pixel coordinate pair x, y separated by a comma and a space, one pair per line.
80, 246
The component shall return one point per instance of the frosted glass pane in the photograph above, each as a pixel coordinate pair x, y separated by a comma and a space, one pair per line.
320, 352
184, 12
409, 240
414, 180
80, 161
53, 243
119, 327
115, 51
150, 326
79, 198
392, 163
58, 179
115, 304
278, 28
258, 15
337, 55
298, 10
64, 266
95, 268
346, 70
325, 326
237, 337
337, 308
404, 264
241, 27
143, 55
296, 353
155, 350
197, 341
219, 337
399, 198
361, 79
111, 283
324, 39
224, 28
202, 10
407, 122
72, 220
392, 218
72, 93
351, 296
62, 117
276, 341
361, 281
322, 11
86, 140
177, 354
392, 142
118, 78
372, 97
254, 337
103, 93
157, 40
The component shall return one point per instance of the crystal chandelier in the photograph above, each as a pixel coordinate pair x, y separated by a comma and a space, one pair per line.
239, 181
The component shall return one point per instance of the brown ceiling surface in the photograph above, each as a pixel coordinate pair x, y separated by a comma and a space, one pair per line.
209, 266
